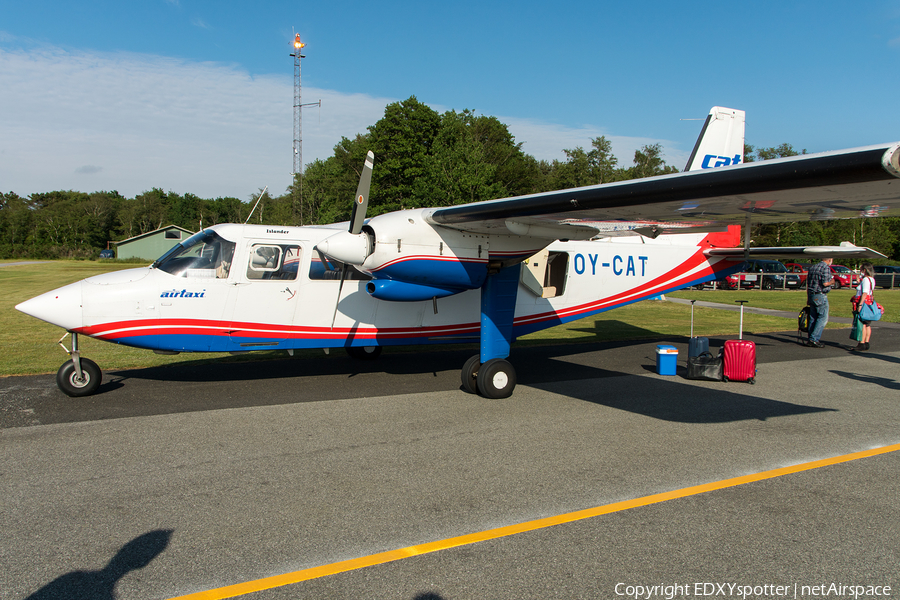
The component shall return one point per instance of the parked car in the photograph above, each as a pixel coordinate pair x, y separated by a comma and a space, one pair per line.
107, 253
887, 276
800, 269
767, 274
844, 277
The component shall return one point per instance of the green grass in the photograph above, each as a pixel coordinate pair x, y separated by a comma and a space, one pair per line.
29, 345
794, 300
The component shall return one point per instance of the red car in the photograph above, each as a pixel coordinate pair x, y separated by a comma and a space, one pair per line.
800, 270
844, 277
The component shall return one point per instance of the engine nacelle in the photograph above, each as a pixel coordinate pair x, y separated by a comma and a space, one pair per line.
409, 250
401, 291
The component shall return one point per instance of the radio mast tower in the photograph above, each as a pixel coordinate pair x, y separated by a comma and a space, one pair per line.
297, 173
298, 120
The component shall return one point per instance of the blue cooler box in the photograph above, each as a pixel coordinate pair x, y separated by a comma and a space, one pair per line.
666, 359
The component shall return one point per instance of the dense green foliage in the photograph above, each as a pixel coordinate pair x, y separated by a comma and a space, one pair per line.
422, 159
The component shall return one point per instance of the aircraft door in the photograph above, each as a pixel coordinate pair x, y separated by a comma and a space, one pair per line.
267, 296
195, 295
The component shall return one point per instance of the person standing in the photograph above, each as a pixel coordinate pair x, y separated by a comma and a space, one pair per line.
818, 284
864, 295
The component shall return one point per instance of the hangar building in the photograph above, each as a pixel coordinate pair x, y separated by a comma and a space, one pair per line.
152, 245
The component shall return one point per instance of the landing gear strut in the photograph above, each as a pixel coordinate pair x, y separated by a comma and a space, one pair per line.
79, 376
495, 377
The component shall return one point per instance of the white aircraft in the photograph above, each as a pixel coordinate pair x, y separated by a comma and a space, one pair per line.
486, 272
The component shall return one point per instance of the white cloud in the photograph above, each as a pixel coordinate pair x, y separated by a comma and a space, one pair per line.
131, 122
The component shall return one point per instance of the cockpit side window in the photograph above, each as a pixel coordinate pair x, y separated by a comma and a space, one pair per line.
204, 254
273, 261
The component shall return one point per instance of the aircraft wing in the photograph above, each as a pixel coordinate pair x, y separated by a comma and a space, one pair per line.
859, 182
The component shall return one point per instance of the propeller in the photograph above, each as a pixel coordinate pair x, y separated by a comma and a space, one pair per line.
351, 247
361, 202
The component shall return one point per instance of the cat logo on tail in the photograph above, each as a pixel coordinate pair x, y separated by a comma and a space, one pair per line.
721, 143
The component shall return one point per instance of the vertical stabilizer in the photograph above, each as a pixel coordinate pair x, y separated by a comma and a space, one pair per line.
721, 143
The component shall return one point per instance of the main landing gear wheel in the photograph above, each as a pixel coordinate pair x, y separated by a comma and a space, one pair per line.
68, 381
469, 374
496, 379
364, 352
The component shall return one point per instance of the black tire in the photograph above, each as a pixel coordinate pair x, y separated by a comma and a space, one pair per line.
469, 374
364, 352
496, 379
752, 380
837, 283
67, 379
768, 284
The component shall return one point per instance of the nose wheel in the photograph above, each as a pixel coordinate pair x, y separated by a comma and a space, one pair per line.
79, 376
72, 384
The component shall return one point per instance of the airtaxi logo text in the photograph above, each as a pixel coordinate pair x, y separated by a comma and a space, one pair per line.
739, 590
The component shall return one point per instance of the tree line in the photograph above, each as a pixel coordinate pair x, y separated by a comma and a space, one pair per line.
423, 159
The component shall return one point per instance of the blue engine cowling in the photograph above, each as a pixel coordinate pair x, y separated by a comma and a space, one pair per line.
400, 291
458, 274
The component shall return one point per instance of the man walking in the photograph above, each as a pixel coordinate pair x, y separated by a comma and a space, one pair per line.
818, 284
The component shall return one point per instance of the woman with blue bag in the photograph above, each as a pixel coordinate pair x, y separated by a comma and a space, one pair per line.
865, 309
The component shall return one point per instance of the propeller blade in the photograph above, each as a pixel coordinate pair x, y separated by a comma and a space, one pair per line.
340, 289
357, 218
361, 202
325, 262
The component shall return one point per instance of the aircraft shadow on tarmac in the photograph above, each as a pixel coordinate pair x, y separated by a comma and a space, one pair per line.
675, 401
557, 368
531, 363
100, 585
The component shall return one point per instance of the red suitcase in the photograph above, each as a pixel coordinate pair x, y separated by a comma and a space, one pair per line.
740, 356
740, 361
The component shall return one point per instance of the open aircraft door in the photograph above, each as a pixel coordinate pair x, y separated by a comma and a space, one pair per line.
544, 274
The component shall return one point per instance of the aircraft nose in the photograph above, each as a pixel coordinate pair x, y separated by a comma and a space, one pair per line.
61, 307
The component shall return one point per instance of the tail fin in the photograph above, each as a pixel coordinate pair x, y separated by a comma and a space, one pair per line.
721, 143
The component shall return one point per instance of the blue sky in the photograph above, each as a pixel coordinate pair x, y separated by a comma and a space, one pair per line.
196, 96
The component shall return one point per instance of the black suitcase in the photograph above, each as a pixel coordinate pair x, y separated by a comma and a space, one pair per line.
706, 367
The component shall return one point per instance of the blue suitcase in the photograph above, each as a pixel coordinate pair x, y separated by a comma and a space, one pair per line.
697, 345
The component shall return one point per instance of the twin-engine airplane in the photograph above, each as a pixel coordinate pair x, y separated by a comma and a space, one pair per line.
488, 271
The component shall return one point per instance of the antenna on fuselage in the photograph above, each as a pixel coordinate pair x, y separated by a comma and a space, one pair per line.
255, 205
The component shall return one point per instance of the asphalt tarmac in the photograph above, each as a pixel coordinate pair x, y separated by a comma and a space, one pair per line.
186, 479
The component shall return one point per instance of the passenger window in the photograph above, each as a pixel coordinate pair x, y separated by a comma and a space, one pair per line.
271, 261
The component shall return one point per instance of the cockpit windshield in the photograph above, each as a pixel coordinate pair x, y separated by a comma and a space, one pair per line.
204, 254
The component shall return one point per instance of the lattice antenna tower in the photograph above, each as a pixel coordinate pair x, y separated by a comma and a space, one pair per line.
298, 119
298, 123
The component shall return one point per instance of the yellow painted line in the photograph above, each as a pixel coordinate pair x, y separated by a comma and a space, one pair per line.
385, 557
